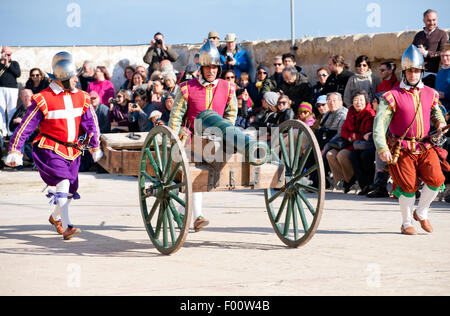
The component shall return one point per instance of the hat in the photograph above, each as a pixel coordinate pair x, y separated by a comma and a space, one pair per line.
305, 106
271, 98
231, 37
321, 100
155, 113
213, 34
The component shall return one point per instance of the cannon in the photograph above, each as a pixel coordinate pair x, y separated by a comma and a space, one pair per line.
221, 157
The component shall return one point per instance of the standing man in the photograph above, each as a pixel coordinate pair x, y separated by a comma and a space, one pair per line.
208, 92
234, 57
339, 75
406, 112
60, 111
9, 93
430, 42
157, 52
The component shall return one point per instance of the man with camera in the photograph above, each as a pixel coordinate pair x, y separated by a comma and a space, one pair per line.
9, 93
234, 57
157, 52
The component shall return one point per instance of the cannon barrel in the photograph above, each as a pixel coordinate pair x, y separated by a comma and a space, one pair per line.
255, 152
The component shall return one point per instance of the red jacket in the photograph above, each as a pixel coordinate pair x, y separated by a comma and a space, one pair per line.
357, 124
387, 85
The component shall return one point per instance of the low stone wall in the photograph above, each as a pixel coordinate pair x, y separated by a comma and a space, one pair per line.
312, 53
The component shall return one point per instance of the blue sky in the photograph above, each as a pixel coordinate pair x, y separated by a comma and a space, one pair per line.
131, 22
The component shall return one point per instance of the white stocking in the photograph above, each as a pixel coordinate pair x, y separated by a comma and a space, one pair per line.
426, 198
62, 189
406, 207
197, 201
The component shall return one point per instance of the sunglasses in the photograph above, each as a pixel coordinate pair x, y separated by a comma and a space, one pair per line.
262, 73
319, 105
215, 38
383, 70
277, 65
282, 103
230, 77
35, 75
323, 75
362, 65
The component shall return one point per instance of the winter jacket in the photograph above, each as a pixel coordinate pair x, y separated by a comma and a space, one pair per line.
366, 81
298, 92
357, 124
242, 61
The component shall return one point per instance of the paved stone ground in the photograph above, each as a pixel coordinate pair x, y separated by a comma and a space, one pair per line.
357, 249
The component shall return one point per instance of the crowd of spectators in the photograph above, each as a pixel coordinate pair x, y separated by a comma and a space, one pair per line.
340, 106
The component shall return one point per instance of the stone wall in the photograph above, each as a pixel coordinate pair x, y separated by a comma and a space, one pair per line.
312, 53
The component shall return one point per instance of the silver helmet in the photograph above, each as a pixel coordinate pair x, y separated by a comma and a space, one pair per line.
209, 55
63, 67
412, 58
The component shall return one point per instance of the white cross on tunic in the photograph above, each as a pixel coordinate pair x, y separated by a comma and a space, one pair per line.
70, 114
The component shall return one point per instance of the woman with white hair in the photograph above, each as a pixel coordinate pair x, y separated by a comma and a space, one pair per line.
170, 82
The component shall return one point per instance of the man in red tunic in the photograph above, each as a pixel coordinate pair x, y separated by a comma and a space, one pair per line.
208, 92
406, 111
60, 112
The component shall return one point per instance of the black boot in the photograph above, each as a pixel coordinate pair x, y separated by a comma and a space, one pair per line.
378, 193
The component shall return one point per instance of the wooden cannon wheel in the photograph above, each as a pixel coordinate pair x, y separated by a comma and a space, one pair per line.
295, 209
164, 173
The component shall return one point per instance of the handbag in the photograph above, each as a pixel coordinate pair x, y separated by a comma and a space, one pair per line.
339, 143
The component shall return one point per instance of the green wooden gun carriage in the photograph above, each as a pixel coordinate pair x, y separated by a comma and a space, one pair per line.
221, 157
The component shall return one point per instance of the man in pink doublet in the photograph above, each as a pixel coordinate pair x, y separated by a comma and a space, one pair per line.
208, 92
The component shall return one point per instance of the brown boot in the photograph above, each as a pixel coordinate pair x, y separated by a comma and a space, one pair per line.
408, 230
71, 232
57, 225
425, 224
199, 223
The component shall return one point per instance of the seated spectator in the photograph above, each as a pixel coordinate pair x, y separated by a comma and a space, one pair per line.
331, 125
321, 108
387, 72
128, 74
169, 100
443, 78
102, 111
118, 112
285, 113
363, 79
140, 111
137, 82
87, 75
267, 117
272, 83
358, 130
358, 123
230, 75
289, 60
255, 89
37, 81
243, 116
157, 94
102, 85
339, 75
22, 108
157, 52
234, 57
306, 115
143, 72
170, 83
319, 87
296, 87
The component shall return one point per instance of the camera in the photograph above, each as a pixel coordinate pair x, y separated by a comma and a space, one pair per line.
229, 58
158, 41
134, 106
